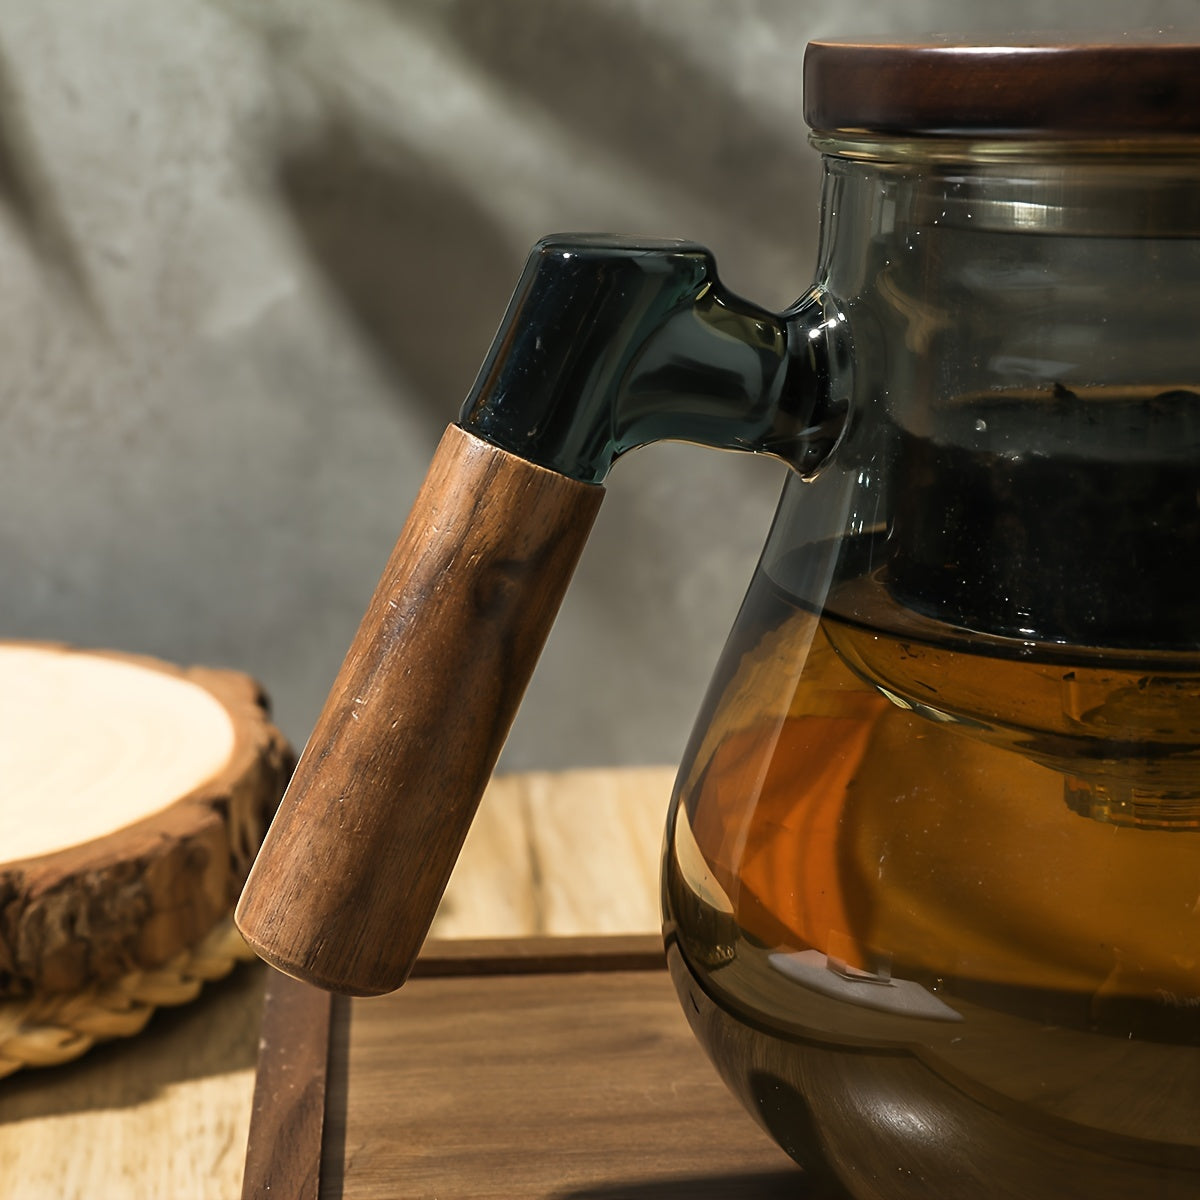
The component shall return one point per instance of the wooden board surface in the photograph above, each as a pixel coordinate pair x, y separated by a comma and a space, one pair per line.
582, 1083
160, 1115
167, 1113
135, 796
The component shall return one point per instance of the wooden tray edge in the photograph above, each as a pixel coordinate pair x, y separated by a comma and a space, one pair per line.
283, 1150
541, 955
287, 1120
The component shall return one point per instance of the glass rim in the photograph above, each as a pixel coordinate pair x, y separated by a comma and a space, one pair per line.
935, 149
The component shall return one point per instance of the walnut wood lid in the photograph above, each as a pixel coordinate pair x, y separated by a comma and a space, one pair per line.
1125, 87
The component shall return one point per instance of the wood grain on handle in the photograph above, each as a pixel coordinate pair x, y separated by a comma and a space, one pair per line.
358, 856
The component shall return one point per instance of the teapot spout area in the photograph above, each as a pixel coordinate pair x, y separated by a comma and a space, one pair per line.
612, 343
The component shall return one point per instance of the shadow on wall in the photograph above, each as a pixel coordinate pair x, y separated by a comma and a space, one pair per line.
28, 199
419, 267
616, 84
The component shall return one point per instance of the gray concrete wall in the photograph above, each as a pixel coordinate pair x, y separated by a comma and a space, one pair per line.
252, 253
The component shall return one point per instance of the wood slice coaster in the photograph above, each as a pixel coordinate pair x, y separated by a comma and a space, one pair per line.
134, 797
546, 1068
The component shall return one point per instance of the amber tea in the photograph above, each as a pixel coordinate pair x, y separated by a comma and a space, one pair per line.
947, 887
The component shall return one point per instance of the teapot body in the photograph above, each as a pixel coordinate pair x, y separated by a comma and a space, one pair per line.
931, 875
932, 867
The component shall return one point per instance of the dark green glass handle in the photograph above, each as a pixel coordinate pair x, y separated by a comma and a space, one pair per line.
611, 343
608, 344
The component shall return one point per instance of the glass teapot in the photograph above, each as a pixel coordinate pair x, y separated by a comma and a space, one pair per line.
932, 867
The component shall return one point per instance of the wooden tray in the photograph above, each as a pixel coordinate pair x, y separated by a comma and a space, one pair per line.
517, 1069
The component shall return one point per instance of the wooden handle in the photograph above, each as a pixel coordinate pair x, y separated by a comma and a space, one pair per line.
351, 872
